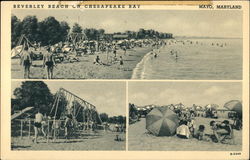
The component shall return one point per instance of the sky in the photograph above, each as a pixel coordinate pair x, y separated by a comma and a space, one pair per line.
216, 23
108, 97
188, 93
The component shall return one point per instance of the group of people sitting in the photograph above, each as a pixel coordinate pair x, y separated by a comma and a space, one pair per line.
221, 131
98, 61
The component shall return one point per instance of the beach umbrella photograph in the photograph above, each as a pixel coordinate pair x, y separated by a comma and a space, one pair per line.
234, 105
162, 122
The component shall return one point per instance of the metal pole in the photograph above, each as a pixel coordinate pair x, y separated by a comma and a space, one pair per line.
29, 127
21, 128
48, 133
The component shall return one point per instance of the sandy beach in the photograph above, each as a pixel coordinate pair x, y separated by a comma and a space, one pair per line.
139, 139
100, 140
85, 69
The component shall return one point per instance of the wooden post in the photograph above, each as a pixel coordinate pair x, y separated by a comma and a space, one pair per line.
21, 128
48, 133
29, 127
54, 135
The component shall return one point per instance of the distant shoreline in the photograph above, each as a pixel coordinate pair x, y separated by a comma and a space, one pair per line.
206, 38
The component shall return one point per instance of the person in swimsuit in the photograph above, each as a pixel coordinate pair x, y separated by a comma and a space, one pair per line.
97, 60
49, 62
200, 133
124, 49
68, 126
38, 124
26, 61
121, 62
114, 51
221, 131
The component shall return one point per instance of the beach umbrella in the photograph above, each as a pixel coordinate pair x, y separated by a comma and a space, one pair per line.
162, 121
16, 51
234, 105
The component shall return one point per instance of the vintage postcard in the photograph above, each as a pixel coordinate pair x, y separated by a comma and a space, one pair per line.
125, 80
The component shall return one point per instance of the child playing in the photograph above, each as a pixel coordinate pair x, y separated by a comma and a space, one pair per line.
200, 132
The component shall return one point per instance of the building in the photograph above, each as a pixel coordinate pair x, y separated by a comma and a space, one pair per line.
120, 36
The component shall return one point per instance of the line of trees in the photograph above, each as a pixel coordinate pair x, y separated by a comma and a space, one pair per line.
51, 31
114, 119
48, 31
143, 33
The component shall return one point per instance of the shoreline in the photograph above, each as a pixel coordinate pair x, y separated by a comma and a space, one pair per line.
85, 69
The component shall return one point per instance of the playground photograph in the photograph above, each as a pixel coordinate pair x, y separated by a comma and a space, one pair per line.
185, 116
56, 115
122, 44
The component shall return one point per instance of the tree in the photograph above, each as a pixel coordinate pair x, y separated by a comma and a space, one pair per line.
77, 28
141, 33
121, 119
50, 31
35, 94
29, 28
16, 29
100, 33
104, 117
64, 30
92, 33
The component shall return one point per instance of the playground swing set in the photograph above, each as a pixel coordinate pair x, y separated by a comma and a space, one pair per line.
90, 116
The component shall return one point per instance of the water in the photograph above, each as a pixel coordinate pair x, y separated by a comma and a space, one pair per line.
195, 61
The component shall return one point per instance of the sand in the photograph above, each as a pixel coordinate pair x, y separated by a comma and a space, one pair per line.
89, 141
139, 139
85, 69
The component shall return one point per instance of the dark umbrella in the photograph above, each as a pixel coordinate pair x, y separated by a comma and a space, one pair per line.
162, 121
234, 105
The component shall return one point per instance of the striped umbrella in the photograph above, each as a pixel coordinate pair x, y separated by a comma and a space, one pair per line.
162, 121
234, 105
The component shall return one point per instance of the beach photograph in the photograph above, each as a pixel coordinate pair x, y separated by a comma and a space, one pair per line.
126, 44
185, 116
73, 116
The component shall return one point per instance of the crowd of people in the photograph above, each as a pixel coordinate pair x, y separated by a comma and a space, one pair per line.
53, 54
221, 131
67, 127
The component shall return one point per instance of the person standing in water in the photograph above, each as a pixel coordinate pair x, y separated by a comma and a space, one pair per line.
49, 62
26, 61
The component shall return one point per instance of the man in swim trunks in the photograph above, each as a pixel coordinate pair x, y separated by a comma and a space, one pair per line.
37, 124
49, 62
26, 61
